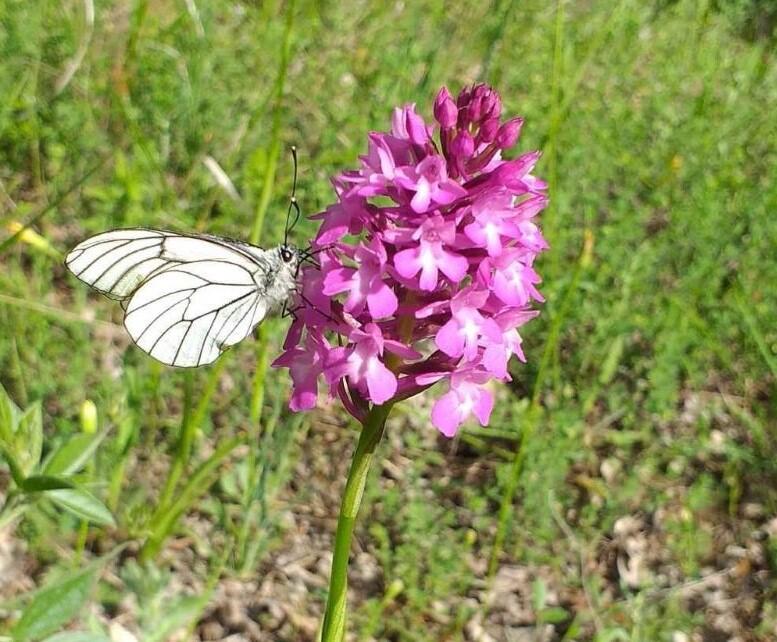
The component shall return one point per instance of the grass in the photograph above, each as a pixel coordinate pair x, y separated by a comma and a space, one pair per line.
650, 386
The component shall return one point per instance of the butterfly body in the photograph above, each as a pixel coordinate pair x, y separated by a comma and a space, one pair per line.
186, 297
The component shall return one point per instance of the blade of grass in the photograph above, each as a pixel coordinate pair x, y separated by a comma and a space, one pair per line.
35, 218
757, 336
535, 409
551, 213
196, 485
275, 135
259, 381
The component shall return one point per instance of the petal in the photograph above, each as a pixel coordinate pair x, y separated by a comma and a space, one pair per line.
399, 348
416, 128
446, 415
303, 399
448, 191
429, 273
475, 233
449, 339
381, 382
483, 406
495, 359
381, 300
338, 280
452, 265
491, 330
407, 262
505, 290
422, 198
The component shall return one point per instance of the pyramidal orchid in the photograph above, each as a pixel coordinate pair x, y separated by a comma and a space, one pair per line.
426, 264
425, 272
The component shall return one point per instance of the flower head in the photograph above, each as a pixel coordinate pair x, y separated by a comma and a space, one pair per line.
440, 274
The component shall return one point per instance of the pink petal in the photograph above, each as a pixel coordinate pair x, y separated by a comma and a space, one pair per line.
506, 291
495, 359
338, 280
483, 406
381, 300
303, 399
429, 271
452, 265
407, 262
448, 191
398, 348
415, 128
381, 382
422, 198
449, 339
445, 414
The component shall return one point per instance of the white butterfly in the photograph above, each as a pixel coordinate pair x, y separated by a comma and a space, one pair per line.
187, 297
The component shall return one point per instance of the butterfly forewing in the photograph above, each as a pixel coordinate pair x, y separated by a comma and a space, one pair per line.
187, 298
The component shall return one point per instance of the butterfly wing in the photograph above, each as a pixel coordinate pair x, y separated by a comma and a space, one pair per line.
187, 298
117, 262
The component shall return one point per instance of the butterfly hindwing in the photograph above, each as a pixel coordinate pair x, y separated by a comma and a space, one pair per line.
186, 315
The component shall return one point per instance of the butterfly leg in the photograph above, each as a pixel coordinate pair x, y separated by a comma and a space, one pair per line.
310, 304
289, 311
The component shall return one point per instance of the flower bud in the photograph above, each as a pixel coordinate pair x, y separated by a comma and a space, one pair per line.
416, 130
88, 417
464, 96
490, 105
445, 110
508, 133
488, 130
463, 145
475, 109
494, 106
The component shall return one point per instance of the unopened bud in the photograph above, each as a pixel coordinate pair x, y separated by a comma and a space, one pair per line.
463, 145
416, 129
508, 133
445, 111
88, 417
490, 105
488, 130
394, 589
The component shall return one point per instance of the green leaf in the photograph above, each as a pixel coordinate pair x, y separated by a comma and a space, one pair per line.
82, 504
612, 635
177, 616
55, 604
7, 417
553, 615
611, 360
71, 456
78, 636
40, 483
539, 594
28, 440
13, 465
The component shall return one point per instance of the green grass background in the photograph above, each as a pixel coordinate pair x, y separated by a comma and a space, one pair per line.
657, 123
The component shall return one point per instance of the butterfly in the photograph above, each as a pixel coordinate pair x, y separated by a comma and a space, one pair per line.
188, 297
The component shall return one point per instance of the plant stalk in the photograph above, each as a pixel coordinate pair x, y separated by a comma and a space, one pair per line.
333, 629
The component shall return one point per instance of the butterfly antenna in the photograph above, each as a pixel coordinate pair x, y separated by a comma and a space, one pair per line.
311, 252
293, 201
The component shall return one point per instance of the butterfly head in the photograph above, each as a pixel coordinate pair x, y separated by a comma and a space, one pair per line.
291, 258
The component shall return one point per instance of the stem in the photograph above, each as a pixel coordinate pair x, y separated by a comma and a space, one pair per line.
333, 629
183, 449
275, 134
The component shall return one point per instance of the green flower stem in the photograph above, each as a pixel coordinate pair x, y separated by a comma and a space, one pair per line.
333, 629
